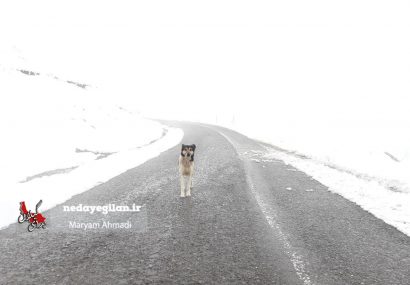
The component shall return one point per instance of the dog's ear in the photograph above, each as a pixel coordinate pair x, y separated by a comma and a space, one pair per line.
193, 147
182, 146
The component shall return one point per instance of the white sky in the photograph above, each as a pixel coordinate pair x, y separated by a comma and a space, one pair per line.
324, 60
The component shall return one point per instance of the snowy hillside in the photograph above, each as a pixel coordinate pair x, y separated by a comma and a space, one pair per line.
60, 138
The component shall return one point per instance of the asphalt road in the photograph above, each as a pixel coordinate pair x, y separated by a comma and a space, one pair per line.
241, 226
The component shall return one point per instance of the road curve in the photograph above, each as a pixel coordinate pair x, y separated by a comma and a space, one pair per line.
241, 226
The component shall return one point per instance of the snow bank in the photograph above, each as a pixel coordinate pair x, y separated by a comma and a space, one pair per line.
390, 206
366, 162
363, 157
59, 140
381, 154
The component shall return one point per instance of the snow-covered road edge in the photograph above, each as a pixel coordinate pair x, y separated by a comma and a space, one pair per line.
385, 204
83, 178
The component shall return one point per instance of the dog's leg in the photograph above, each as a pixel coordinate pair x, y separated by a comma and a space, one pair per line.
182, 186
192, 174
188, 191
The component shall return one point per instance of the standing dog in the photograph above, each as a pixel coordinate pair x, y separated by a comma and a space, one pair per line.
186, 168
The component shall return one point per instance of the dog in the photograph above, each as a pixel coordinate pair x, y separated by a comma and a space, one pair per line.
186, 168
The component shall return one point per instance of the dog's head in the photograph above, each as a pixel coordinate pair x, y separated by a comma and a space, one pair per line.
188, 151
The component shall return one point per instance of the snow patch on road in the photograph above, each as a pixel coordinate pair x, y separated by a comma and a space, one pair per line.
297, 259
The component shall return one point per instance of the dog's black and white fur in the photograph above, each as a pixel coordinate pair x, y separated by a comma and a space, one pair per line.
186, 168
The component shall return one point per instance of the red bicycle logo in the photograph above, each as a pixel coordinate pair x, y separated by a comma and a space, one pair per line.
35, 220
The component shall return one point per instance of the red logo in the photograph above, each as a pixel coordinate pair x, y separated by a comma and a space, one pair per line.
35, 220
